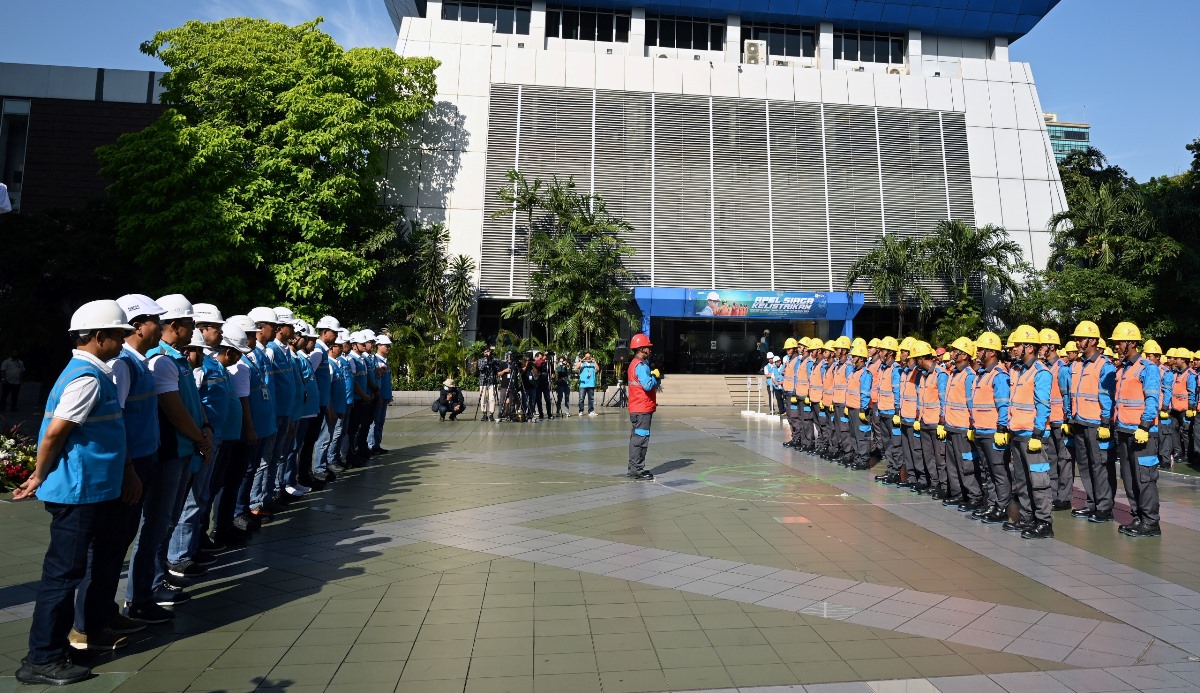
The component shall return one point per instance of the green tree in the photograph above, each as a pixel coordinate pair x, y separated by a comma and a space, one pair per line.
579, 286
260, 180
964, 254
894, 270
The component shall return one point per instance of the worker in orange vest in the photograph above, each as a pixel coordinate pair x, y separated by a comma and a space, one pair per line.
858, 402
643, 382
1062, 468
964, 491
873, 359
843, 444
1029, 426
1093, 379
931, 397
1182, 402
990, 417
887, 387
807, 440
792, 372
1136, 417
910, 415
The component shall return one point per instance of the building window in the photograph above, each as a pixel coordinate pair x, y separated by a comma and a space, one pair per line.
868, 47
1058, 132
792, 41
677, 32
505, 18
587, 25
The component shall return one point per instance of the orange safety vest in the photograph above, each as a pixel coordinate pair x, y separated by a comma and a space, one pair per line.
1085, 388
931, 403
958, 414
839, 384
827, 383
640, 401
1024, 403
1057, 414
854, 388
802, 377
908, 395
1131, 397
884, 396
984, 413
789, 375
873, 369
1179, 392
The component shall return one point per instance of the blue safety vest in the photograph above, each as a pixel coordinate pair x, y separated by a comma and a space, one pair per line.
262, 394
91, 464
174, 445
385, 380
214, 395
310, 403
282, 377
231, 427
324, 375
141, 408
337, 388
360, 375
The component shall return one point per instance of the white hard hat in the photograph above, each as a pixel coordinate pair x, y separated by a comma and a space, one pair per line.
358, 338
197, 340
770, 355
264, 314
207, 312
304, 329
175, 306
234, 337
286, 316
343, 336
714, 296
383, 340
368, 335
135, 305
329, 323
241, 322
99, 315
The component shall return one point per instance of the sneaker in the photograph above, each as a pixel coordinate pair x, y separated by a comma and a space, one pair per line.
104, 641
642, 476
148, 612
170, 595
294, 491
592, 413
335, 468
204, 559
1082, 513
123, 625
242, 523
1144, 530
302, 488
60, 672
187, 568
261, 513
211, 545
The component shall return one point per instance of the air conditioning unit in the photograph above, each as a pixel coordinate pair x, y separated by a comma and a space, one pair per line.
894, 71
754, 52
784, 63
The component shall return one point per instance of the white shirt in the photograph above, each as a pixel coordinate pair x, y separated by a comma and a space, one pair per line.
81, 395
318, 355
239, 374
121, 376
12, 370
166, 374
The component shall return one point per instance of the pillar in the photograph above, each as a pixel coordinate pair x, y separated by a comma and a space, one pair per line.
999, 49
637, 31
733, 39
537, 25
912, 50
825, 46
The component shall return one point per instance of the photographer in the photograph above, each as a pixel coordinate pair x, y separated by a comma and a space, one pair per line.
510, 383
545, 366
562, 387
449, 401
587, 383
529, 381
489, 369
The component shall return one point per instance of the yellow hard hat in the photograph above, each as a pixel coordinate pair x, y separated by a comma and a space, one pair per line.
857, 341
889, 343
1049, 336
946, 356
920, 350
1171, 353
860, 350
1024, 334
1102, 344
1126, 332
1009, 343
1087, 328
989, 340
1185, 354
790, 343
843, 342
965, 345
907, 343
830, 345
1152, 347
1109, 353
805, 342
1071, 347
874, 343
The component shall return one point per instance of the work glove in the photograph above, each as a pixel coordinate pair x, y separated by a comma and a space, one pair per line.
1035, 444
807, 401
917, 425
1001, 439
657, 374
1141, 436
895, 419
941, 432
1190, 413
845, 411
971, 434
862, 416
1164, 414
795, 399
1066, 429
1104, 433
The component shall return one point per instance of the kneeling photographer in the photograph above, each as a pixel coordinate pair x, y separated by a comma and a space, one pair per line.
449, 401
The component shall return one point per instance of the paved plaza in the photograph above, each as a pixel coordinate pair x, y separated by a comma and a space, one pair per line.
484, 557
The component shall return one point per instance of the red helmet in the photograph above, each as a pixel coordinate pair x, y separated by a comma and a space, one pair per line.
639, 340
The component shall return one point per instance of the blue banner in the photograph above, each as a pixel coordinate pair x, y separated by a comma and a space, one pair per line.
775, 305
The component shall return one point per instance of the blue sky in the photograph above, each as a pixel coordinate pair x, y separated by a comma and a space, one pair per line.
1131, 73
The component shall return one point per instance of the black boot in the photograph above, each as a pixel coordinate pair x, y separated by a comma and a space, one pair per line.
994, 517
1039, 530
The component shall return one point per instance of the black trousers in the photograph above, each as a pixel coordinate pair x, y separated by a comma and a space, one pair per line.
8, 393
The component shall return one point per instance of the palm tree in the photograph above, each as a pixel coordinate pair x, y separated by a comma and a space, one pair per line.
1103, 227
894, 268
521, 197
460, 289
986, 254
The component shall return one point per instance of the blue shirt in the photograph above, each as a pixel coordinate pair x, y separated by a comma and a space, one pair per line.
262, 395
337, 386
215, 388
587, 374
864, 392
1064, 387
645, 379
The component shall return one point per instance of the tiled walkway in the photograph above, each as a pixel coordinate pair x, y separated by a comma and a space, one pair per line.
484, 557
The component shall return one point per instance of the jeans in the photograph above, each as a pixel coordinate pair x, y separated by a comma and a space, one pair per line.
290, 472
337, 443
590, 394
8, 393
376, 433
262, 483
364, 414
185, 540
81, 536
216, 482
285, 437
531, 402
562, 393
308, 445
159, 495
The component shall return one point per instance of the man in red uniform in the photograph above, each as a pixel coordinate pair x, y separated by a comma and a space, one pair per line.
643, 393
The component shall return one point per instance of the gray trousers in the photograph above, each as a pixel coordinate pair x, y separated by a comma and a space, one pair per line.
793, 414
1033, 488
808, 433
1096, 468
997, 467
911, 447
861, 439
1141, 481
891, 443
1062, 464
1168, 434
639, 441
962, 473
847, 430
933, 452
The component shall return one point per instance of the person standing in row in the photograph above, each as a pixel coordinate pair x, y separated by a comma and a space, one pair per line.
1137, 391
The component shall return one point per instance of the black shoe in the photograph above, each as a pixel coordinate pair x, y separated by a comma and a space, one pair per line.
209, 544
882, 478
378, 450
905, 484
938, 494
994, 517
1134, 526
1039, 530
1060, 505
1100, 518
921, 488
148, 612
861, 466
956, 502
788, 444
1018, 526
443, 417
641, 476
170, 595
186, 568
60, 672
204, 558
1082, 513
1145, 530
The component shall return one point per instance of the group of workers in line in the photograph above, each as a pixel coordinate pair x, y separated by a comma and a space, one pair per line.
982, 423
177, 431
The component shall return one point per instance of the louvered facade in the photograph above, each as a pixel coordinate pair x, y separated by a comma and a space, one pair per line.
724, 192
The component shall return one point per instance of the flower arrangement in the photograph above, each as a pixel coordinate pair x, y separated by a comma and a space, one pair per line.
18, 454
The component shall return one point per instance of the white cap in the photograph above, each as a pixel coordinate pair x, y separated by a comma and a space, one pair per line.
770, 355
264, 314
714, 296
383, 340
234, 337
207, 312
175, 306
241, 322
329, 323
99, 315
139, 304
343, 337
778, 358
286, 316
